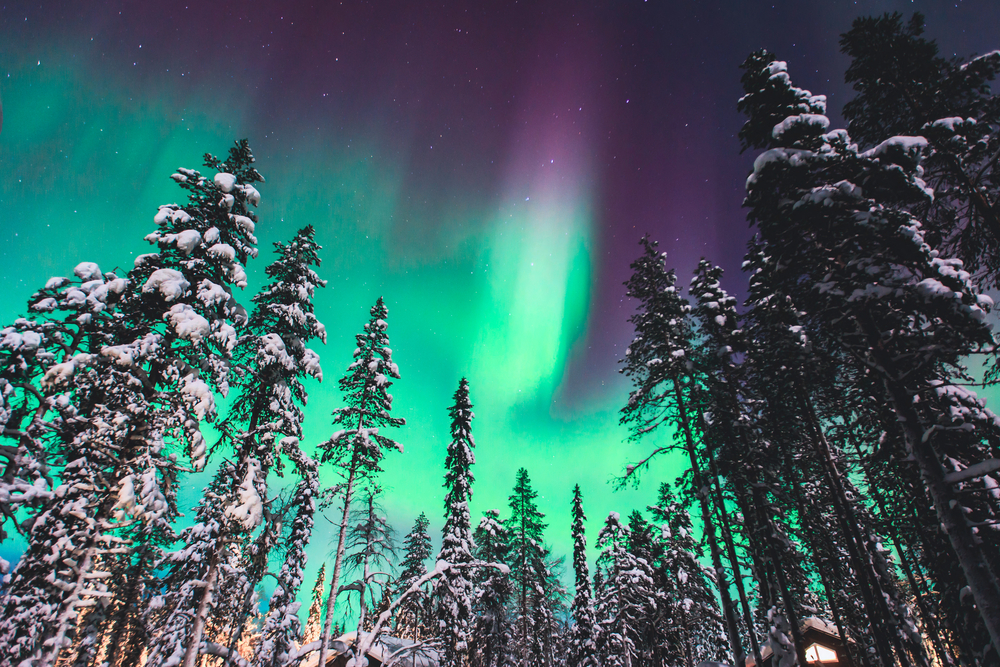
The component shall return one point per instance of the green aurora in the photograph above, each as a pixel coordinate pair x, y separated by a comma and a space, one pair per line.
499, 293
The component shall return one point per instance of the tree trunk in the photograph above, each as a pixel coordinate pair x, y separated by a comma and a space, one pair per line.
201, 617
857, 546
982, 583
821, 562
116, 647
919, 593
69, 606
734, 562
702, 492
780, 580
981, 580
929, 622
331, 600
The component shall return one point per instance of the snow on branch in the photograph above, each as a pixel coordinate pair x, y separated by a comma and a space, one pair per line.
974, 471
229, 656
369, 639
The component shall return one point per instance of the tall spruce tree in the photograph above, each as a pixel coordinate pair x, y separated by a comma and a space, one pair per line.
145, 388
453, 591
272, 360
412, 620
583, 637
694, 629
525, 527
659, 363
357, 449
492, 631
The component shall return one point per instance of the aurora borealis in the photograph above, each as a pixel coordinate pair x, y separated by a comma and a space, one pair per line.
486, 167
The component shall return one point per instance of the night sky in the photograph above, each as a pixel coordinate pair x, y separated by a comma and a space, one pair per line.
487, 167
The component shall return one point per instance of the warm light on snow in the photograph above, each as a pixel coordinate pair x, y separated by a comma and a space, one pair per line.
820, 653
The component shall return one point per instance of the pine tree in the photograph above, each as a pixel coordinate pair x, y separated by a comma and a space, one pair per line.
453, 592
850, 249
623, 602
694, 629
314, 619
527, 555
282, 628
411, 619
492, 631
272, 358
357, 450
145, 385
659, 362
649, 630
583, 644
904, 87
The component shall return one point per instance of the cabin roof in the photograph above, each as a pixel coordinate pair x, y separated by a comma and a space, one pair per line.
814, 630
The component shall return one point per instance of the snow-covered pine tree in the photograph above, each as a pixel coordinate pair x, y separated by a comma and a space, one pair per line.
624, 599
694, 631
904, 87
152, 380
835, 218
357, 449
272, 358
525, 527
282, 629
69, 316
26, 482
50, 390
583, 639
271, 361
717, 397
491, 646
312, 629
659, 363
202, 250
412, 617
645, 550
453, 591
